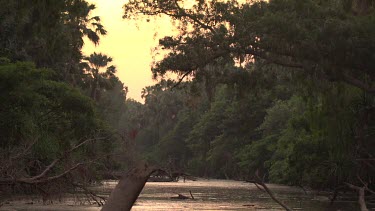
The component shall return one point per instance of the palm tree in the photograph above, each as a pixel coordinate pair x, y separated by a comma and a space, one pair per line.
97, 78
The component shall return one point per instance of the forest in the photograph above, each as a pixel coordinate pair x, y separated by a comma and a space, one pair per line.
280, 88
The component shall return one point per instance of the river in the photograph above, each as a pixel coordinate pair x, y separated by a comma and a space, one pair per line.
209, 195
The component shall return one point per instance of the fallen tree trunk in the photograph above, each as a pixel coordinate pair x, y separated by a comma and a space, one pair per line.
128, 189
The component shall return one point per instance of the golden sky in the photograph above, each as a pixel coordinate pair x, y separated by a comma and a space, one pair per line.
129, 43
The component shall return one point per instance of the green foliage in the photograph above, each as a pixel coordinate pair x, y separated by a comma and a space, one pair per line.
172, 150
42, 120
36, 107
321, 136
313, 132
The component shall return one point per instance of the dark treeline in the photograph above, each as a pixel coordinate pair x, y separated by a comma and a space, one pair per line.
58, 107
259, 118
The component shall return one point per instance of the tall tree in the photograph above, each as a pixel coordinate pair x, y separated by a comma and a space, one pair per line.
97, 78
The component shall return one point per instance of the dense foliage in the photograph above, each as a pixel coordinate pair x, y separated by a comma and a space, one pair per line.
57, 125
284, 87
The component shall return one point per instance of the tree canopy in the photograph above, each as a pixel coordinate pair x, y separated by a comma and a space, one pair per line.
332, 40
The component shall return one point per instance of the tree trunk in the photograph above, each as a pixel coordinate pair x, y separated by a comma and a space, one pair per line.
128, 189
93, 90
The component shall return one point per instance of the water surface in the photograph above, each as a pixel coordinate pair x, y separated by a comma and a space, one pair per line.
208, 195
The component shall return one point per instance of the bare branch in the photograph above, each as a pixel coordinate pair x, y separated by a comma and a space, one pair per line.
259, 181
38, 181
361, 195
365, 185
53, 164
182, 78
57, 176
195, 19
40, 177
46, 170
192, 197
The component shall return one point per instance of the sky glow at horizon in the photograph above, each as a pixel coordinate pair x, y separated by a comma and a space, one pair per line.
129, 43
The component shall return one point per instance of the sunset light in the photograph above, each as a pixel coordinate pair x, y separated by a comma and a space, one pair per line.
129, 43
187, 105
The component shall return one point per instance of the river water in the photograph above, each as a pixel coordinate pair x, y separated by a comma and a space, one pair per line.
208, 195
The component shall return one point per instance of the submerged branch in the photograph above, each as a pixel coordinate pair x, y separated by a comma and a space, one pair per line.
260, 182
